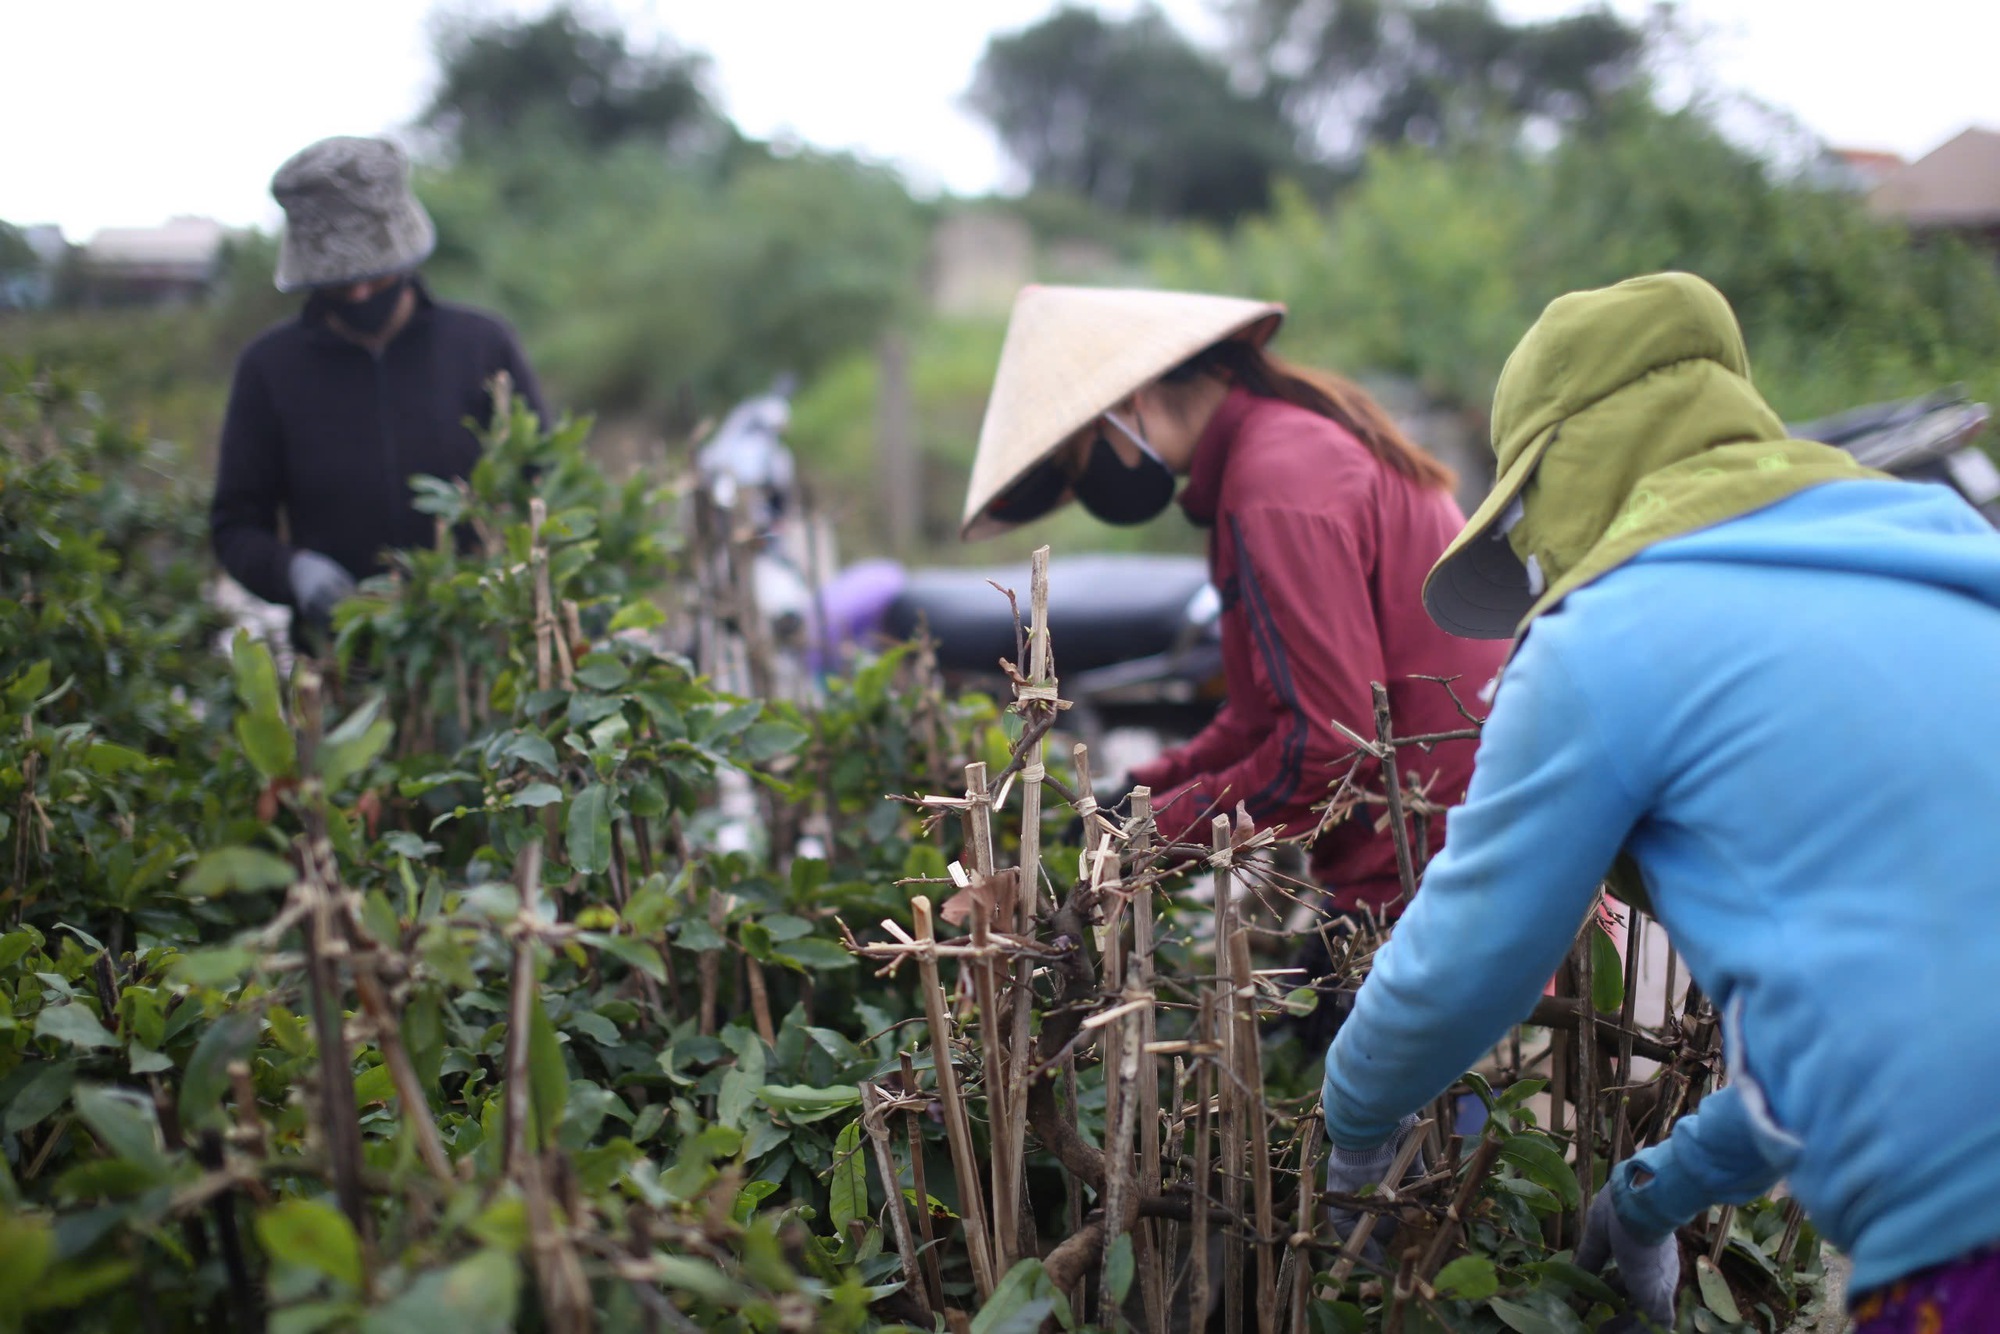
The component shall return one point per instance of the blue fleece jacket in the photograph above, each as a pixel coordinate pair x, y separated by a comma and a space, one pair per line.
1792, 721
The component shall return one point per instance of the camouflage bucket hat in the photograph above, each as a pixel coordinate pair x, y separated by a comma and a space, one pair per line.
349, 214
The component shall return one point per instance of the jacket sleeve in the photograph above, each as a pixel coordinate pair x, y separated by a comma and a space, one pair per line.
250, 489
1217, 746
1304, 586
1547, 810
1712, 1157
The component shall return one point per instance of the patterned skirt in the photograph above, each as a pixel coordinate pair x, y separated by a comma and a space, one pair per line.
1961, 1297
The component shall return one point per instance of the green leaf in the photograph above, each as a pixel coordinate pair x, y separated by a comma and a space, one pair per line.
261, 724
27, 1246
124, 1122
768, 740
1570, 1276
637, 616
146, 1061
531, 748
699, 936
213, 968
227, 869
1715, 1292
814, 955
1301, 1001
207, 1078
635, 954
478, 1295
269, 744
589, 840
41, 1095
28, 684
1539, 1160
1607, 972
698, 1277
796, 1100
849, 1191
103, 757
536, 795
1118, 1266
1469, 1278
1528, 1320
354, 745
602, 671
548, 1076
75, 1024
1020, 1302
309, 1235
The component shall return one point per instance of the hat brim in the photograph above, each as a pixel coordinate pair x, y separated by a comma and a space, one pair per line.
1479, 588
303, 267
1035, 410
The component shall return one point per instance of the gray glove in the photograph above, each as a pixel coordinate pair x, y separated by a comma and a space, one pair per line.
1651, 1270
1351, 1171
318, 584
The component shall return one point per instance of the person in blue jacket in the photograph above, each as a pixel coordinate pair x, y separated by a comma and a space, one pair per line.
1771, 678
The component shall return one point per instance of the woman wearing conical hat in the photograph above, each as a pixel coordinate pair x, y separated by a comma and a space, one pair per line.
1323, 520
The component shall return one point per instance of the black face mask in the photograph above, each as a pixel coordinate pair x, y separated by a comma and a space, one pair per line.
1123, 495
370, 315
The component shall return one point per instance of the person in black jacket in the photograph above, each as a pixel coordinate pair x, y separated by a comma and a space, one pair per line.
330, 415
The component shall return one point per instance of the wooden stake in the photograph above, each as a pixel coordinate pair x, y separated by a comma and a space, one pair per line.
877, 1127
1250, 1076
1233, 1113
957, 1125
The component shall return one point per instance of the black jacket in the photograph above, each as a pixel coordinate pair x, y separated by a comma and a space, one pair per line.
331, 434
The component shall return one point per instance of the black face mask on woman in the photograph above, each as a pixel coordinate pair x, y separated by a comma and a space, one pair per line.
1122, 494
370, 315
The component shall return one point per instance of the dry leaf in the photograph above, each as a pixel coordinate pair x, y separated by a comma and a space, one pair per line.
995, 893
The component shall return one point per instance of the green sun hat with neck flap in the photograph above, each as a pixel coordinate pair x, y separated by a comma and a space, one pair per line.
1625, 417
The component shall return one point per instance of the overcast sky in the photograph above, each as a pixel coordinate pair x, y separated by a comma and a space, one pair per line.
123, 112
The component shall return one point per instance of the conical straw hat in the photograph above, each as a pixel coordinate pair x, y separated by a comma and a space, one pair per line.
1071, 353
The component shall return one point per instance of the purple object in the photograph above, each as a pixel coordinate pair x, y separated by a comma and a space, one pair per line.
853, 605
1961, 1297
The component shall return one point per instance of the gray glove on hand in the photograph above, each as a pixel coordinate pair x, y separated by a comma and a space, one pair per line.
1651, 1270
318, 584
1351, 1171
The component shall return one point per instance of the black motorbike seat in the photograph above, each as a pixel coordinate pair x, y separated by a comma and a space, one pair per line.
1103, 609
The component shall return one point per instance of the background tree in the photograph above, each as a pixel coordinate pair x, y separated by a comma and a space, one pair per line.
501, 80
1131, 116
1355, 73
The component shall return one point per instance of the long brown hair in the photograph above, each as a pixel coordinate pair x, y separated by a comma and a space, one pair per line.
1331, 396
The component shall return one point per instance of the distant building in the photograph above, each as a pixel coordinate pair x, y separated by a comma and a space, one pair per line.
164, 265
1953, 189
979, 259
1857, 170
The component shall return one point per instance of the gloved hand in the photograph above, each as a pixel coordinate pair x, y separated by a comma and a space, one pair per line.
318, 584
1351, 1171
1651, 1270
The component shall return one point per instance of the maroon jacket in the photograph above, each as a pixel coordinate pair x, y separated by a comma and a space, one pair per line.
1319, 551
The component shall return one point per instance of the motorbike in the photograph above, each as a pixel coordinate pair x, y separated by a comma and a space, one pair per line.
1137, 637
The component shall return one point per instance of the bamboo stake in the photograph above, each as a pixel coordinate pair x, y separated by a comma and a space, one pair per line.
1153, 1255
1120, 1190
985, 986
1392, 787
409, 1091
876, 1125
1204, 1094
1389, 1188
1586, 1064
520, 1008
913, 1129
1231, 1093
957, 1125
1250, 1071
1635, 947
1299, 1259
